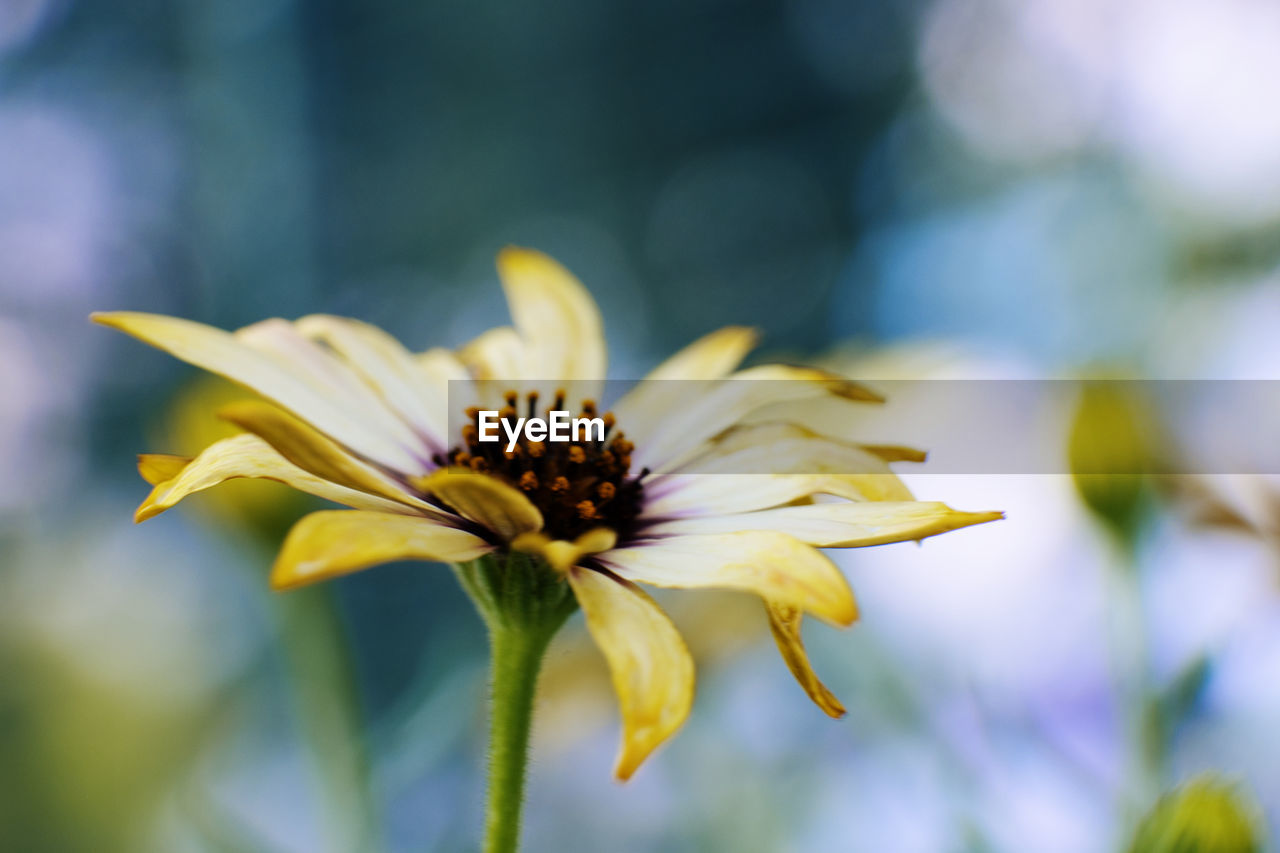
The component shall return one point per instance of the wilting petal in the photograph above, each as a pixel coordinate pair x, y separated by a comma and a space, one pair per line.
224, 354
386, 366
784, 622
155, 468
682, 495
845, 524
726, 403
311, 451
485, 500
251, 457
561, 554
773, 565
335, 542
678, 379
555, 315
651, 667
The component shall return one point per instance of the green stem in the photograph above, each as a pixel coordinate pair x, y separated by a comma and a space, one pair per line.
523, 602
516, 657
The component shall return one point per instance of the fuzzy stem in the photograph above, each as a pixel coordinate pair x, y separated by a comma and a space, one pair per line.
516, 657
523, 602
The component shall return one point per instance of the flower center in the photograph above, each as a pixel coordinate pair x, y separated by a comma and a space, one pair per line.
576, 485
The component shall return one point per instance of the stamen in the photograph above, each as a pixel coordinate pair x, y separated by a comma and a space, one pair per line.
576, 486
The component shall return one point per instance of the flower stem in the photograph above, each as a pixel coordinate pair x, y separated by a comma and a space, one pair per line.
523, 603
516, 657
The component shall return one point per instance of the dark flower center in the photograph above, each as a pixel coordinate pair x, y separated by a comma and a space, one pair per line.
576, 485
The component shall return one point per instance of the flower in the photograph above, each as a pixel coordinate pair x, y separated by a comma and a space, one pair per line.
357, 419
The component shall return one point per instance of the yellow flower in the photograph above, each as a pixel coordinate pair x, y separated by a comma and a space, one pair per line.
359, 420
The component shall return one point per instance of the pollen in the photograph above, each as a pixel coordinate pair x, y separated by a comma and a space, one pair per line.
576, 485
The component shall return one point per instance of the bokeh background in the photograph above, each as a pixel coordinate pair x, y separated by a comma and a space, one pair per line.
981, 188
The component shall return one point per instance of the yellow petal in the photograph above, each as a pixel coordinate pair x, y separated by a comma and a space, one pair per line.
485, 500
773, 565
155, 468
723, 404
555, 315
838, 525
386, 366
226, 355
651, 667
251, 457
683, 495
562, 554
784, 622
678, 380
311, 451
330, 543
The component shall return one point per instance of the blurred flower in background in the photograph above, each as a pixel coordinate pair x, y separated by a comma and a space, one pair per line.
1029, 190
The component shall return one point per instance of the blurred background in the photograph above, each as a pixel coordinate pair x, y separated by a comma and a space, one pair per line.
964, 188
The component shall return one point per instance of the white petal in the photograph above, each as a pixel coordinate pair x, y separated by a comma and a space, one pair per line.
223, 353
678, 379
773, 565
682, 495
844, 524
723, 404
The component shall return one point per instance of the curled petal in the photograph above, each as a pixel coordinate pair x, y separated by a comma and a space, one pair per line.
271, 375
155, 468
485, 500
249, 456
650, 664
311, 451
844, 524
562, 554
555, 315
784, 622
336, 542
772, 565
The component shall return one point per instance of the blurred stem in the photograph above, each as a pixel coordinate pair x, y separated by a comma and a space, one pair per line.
1133, 678
324, 691
523, 602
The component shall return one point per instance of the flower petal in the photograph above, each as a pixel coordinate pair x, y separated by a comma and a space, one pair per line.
650, 664
311, 451
561, 554
710, 357
844, 524
773, 565
155, 468
389, 368
226, 355
784, 622
725, 403
555, 315
682, 495
249, 456
335, 542
485, 500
